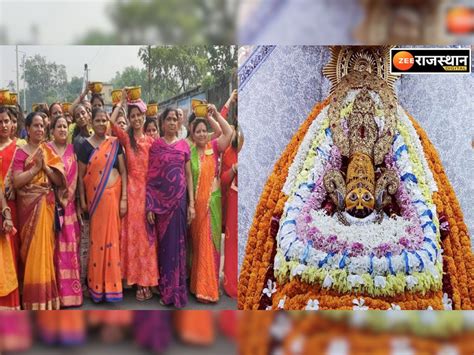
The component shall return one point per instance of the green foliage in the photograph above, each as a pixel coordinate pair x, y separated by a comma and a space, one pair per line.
176, 69
46, 81
132, 76
74, 88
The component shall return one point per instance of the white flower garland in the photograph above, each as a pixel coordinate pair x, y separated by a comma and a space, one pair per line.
299, 257
303, 150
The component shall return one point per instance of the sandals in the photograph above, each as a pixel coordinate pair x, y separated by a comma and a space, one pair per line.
143, 294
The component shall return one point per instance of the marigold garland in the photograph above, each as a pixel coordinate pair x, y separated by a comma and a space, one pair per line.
272, 200
295, 294
310, 333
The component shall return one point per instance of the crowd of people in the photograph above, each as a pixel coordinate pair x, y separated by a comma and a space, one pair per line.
95, 201
155, 331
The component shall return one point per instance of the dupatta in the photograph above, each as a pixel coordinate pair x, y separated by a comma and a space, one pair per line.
101, 163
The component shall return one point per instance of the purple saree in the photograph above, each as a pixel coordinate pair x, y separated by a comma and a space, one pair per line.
166, 198
152, 329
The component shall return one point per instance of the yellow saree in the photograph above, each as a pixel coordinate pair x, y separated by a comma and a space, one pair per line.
36, 201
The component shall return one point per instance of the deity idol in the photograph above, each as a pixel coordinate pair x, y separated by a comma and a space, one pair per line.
358, 212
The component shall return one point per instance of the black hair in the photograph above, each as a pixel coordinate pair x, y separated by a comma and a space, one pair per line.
6, 110
191, 118
55, 120
133, 142
31, 115
97, 97
163, 116
150, 120
77, 129
96, 111
42, 108
51, 108
196, 122
235, 141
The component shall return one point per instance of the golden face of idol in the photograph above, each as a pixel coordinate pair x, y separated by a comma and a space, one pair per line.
360, 202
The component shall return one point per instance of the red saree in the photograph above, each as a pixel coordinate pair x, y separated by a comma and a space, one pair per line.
10, 245
229, 208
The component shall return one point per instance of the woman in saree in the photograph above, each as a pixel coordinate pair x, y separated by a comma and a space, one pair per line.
15, 331
103, 194
138, 256
61, 327
195, 327
168, 210
66, 253
9, 244
9, 293
229, 211
36, 171
152, 330
206, 228
112, 325
78, 132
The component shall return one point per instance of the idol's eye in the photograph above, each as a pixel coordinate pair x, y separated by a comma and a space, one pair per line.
366, 197
353, 197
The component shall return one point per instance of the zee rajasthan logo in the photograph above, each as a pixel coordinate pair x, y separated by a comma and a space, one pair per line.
430, 60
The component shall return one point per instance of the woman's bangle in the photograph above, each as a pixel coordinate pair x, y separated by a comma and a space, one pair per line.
5, 210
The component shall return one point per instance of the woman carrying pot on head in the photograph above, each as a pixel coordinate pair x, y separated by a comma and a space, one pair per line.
229, 210
138, 256
206, 227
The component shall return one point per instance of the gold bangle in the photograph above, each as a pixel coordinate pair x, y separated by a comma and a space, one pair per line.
5, 210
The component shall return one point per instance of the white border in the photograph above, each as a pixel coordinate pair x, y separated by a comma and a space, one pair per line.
431, 49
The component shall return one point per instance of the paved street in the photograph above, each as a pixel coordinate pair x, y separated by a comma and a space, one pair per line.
130, 302
94, 346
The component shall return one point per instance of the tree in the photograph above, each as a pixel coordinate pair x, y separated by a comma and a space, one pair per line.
74, 88
132, 76
47, 81
176, 69
168, 21
222, 63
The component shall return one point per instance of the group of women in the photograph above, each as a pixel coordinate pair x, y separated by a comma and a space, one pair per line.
151, 330
143, 204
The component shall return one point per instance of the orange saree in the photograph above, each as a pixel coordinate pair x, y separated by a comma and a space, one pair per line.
36, 201
104, 271
205, 234
195, 327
